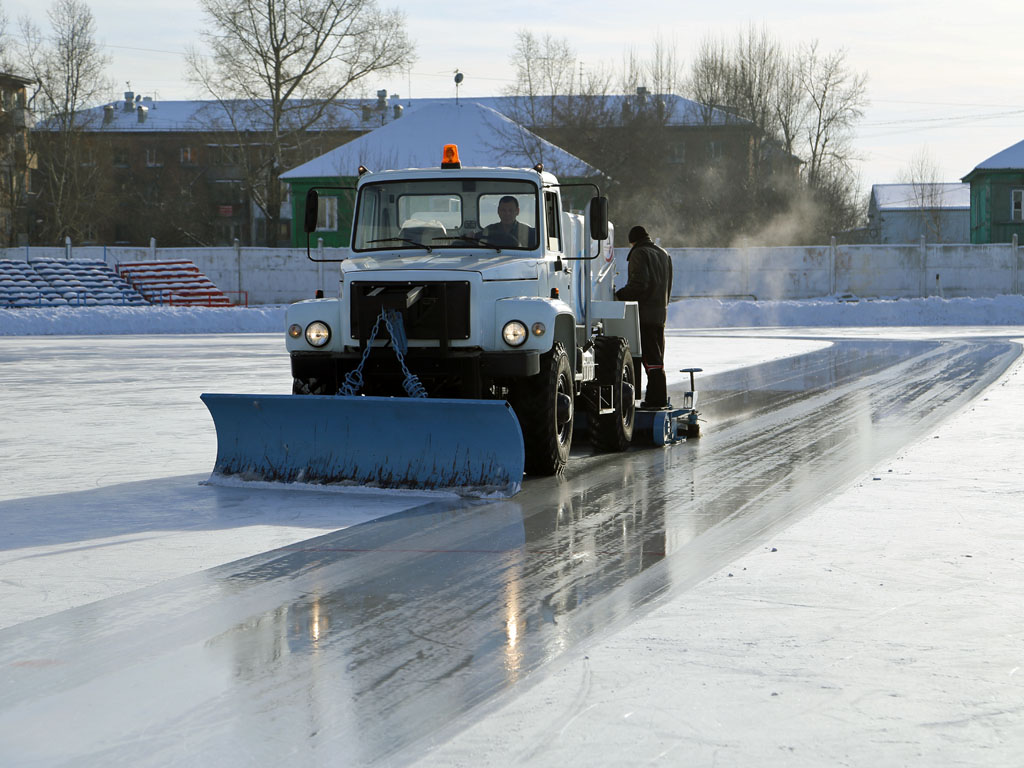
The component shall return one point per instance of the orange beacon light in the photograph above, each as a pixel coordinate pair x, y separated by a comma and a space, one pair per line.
450, 156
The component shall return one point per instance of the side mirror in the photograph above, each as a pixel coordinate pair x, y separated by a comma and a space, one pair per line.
312, 209
599, 218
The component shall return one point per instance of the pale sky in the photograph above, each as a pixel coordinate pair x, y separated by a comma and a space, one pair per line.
943, 76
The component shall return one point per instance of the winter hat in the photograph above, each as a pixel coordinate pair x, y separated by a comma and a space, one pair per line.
638, 233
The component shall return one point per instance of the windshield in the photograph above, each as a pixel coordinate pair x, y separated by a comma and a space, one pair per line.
499, 214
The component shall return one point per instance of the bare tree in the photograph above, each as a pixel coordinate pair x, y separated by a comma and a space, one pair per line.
614, 120
802, 106
742, 77
790, 105
925, 180
68, 68
6, 61
278, 67
660, 72
555, 96
836, 98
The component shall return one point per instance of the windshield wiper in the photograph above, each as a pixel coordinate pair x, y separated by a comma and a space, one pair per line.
477, 240
401, 240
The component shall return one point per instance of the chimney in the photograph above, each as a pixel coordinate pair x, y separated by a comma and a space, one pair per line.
142, 112
108, 114
398, 109
129, 101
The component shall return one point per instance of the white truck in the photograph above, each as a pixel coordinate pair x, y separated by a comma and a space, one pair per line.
446, 318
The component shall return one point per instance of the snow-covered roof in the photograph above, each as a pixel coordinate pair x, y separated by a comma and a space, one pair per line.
1011, 158
679, 111
484, 136
355, 114
148, 115
897, 197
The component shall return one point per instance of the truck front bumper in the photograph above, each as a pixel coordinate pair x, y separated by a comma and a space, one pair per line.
465, 373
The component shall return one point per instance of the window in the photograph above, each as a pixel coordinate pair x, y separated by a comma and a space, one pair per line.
678, 153
553, 218
187, 156
153, 158
120, 157
429, 209
714, 150
392, 216
1017, 205
226, 232
225, 154
228, 191
327, 215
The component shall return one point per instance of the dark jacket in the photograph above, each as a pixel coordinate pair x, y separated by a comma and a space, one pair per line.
649, 282
522, 235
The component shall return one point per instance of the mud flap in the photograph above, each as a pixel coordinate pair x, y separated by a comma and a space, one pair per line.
473, 446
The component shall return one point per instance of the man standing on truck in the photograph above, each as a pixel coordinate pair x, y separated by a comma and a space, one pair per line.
649, 284
507, 230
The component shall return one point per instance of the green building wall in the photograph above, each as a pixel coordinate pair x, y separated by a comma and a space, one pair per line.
991, 203
333, 238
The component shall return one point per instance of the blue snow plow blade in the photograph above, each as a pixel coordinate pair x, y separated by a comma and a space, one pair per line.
388, 442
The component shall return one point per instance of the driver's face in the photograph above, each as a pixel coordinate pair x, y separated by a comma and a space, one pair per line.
507, 212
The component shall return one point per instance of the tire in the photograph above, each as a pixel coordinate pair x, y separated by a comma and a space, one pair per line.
544, 405
613, 432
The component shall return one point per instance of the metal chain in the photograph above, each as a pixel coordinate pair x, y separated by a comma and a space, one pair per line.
396, 330
354, 378
412, 385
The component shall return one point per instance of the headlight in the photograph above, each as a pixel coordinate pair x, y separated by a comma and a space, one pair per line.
318, 333
514, 333
538, 329
295, 330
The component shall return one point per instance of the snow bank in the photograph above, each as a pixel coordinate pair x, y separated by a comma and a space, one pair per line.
73, 321
690, 313
833, 313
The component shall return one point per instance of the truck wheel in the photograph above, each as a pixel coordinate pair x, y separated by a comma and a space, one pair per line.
544, 404
614, 431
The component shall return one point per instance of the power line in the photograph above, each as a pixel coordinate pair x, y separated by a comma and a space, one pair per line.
143, 50
944, 103
948, 119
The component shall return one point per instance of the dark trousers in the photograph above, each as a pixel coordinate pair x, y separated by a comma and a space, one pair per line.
652, 342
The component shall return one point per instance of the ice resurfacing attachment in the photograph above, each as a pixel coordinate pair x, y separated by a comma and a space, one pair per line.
388, 442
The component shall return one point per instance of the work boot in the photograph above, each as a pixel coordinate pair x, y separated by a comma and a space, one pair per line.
657, 389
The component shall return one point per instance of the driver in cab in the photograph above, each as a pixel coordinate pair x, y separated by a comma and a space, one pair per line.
508, 231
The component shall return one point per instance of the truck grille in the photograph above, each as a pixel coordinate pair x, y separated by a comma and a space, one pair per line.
434, 310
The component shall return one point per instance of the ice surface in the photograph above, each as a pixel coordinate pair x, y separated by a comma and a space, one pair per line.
880, 630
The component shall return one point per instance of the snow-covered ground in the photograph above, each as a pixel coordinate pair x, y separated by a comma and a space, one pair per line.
883, 630
693, 313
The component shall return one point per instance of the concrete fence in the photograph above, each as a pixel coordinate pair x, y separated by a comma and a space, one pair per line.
869, 271
284, 275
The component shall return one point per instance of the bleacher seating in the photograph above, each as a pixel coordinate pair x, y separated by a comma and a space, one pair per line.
52, 283
173, 282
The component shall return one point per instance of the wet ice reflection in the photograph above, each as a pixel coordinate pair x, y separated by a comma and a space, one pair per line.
356, 646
